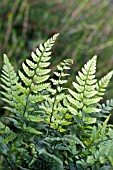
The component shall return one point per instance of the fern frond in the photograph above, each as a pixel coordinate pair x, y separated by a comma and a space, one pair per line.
57, 117
53, 105
106, 107
34, 76
60, 73
39, 63
85, 79
85, 89
102, 84
9, 79
35, 73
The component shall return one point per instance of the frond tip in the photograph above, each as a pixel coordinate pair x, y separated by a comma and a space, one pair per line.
103, 83
36, 71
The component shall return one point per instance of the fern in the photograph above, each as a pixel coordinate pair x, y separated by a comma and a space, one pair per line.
34, 77
102, 84
36, 71
53, 105
105, 108
88, 92
9, 79
53, 129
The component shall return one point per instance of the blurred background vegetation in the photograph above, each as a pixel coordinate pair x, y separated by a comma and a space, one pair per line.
85, 27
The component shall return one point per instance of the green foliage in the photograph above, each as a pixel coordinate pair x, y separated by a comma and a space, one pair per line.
52, 126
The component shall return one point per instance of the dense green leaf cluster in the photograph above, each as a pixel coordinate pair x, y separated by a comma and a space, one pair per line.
54, 127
